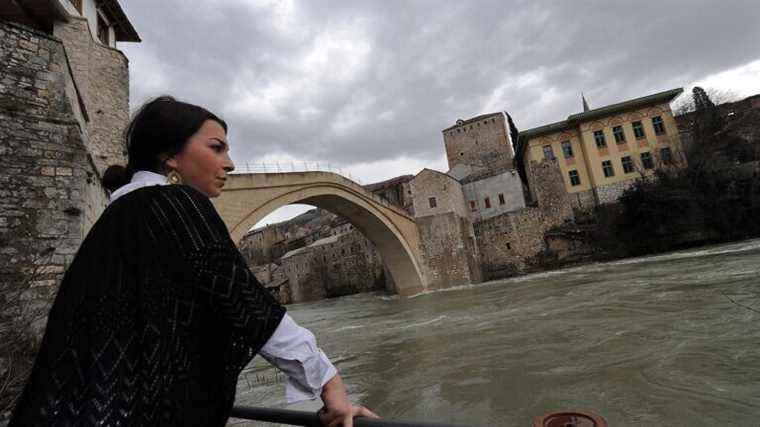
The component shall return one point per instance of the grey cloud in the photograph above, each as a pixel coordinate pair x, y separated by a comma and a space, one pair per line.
432, 62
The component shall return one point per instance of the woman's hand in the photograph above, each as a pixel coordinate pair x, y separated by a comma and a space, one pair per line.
338, 410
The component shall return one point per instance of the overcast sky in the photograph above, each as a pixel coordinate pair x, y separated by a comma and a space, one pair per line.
369, 85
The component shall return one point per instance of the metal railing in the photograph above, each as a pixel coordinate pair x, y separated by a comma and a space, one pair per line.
311, 419
293, 166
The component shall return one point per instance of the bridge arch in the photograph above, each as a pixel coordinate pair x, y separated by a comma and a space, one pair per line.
248, 198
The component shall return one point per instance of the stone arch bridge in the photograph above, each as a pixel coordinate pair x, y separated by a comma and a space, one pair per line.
249, 197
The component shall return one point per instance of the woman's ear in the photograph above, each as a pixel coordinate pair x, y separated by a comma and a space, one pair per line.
171, 163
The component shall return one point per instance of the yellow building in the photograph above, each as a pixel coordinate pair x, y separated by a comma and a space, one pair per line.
601, 152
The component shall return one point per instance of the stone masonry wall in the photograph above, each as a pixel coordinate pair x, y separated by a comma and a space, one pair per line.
449, 250
102, 76
583, 200
509, 243
446, 190
480, 142
515, 242
338, 265
49, 190
611, 193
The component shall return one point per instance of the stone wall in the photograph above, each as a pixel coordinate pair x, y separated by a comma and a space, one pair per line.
334, 266
273, 277
480, 142
583, 200
549, 190
515, 242
446, 191
449, 250
257, 246
50, 192
610, 193
102, 76
510, 243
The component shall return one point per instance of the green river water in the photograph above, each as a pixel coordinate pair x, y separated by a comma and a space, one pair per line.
652, 341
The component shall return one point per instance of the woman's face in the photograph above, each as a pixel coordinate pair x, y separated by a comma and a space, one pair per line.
204, 161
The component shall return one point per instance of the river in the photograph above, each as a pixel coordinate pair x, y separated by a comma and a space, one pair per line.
651, 341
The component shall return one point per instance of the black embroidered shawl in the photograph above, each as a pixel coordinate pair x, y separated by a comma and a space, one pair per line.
154, 320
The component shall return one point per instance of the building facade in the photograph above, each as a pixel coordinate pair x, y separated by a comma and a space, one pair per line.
601, 152
493, 195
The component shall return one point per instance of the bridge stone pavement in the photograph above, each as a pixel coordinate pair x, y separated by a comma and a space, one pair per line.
248, 198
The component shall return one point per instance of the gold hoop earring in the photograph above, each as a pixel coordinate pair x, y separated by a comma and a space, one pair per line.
174, 177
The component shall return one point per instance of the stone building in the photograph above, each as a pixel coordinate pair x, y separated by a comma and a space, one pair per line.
64, 102
448, 239
473, 220
516, 242
258, 245
601, 152
484, 142
334, 266
394, 190
493, 194
273, 277
480, 155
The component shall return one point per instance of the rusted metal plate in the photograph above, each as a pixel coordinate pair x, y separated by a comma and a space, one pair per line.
569, 419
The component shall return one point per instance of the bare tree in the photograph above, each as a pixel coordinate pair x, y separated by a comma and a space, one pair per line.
686, 104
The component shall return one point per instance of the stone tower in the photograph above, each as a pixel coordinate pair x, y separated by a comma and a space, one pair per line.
480, 143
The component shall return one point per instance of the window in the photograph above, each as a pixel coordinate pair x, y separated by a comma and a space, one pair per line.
607, 168
666, 155
575, 179
619, 135
548, 153
102, 30
599, 138
432, 202
638, 130
646, 160
473, 205
567, 149
488, 202
627, 164
501, 199
659, 127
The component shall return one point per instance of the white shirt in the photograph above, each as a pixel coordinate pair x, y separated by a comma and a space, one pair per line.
291, 349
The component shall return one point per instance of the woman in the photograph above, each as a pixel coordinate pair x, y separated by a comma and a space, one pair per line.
158, 313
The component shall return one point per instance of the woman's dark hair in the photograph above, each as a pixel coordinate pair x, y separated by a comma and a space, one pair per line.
158, 130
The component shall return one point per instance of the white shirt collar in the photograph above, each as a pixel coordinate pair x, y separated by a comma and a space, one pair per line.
139, 179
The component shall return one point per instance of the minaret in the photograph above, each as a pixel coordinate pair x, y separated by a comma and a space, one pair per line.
585, 104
